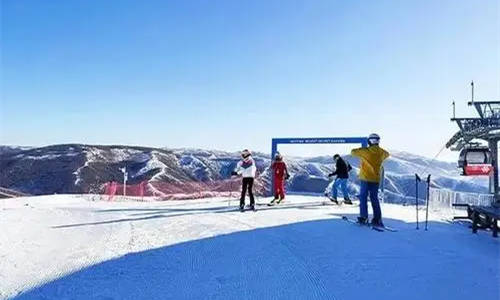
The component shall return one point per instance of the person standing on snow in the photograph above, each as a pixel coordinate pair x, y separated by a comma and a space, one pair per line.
280, 174
342, 169
247, 169
369, 175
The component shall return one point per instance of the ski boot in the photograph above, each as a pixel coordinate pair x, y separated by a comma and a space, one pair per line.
347, 201
280, 200
242, 208
252, 207
362, 221
377, 223
272, 202
334, 200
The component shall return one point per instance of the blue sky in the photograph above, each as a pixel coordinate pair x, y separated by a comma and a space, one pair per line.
233, 74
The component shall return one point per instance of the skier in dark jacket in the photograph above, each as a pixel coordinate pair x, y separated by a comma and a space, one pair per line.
342, 169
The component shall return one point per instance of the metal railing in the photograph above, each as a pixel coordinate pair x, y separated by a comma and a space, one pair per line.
443, 198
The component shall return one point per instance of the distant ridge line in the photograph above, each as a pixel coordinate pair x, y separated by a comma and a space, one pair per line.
9, 193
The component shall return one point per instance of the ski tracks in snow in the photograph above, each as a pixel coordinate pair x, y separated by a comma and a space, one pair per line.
297, 267
205, 250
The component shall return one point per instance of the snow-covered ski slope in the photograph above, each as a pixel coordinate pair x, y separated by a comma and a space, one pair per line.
66, 247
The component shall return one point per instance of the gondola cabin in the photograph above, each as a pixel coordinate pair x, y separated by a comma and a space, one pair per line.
475, 160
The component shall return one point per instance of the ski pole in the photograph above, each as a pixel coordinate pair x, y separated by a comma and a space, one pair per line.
428, 196
417, 180
230, 191
382, 185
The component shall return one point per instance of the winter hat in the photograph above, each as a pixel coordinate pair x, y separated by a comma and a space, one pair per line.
246, 153
278, 156
373, 139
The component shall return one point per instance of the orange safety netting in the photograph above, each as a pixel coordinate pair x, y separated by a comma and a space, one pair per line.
180, 190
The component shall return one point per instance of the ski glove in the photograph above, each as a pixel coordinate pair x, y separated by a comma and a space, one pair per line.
331, 174
233, 173
287, 176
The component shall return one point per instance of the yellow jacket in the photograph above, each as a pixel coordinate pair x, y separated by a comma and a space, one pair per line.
371, 162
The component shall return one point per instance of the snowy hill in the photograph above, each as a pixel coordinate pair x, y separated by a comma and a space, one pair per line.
85, 168
65, 247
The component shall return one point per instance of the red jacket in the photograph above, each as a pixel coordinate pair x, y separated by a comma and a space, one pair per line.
279, 170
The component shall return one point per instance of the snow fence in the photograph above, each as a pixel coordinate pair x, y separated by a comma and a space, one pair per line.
444, 199
160, 190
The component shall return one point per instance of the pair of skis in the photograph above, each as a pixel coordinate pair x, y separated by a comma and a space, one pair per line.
277, 202
248, 207
339, 203
376, 228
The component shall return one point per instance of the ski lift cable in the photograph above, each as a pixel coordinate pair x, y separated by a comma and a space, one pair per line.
426, 168
433, 159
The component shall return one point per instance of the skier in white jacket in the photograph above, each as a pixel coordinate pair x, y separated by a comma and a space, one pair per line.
247, 169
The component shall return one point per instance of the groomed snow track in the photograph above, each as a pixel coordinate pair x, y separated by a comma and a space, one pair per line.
66, 247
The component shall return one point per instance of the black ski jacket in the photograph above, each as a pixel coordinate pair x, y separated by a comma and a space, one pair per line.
341, 169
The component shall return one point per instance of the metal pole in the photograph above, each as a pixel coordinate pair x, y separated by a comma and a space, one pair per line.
493, 145
125, 184
454, 109
382, 186
142, 191
417, 180
472, 91
428, 193
124, 171
230, 191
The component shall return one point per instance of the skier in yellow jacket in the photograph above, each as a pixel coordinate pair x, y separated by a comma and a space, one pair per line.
371, 158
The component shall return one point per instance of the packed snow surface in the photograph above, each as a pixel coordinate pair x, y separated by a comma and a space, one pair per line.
69, 247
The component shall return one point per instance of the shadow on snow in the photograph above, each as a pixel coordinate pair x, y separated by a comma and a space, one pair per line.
323, 259
159, 213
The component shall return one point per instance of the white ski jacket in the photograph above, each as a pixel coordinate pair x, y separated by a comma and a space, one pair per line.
246, 168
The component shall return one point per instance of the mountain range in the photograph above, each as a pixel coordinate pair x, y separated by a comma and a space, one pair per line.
78, 168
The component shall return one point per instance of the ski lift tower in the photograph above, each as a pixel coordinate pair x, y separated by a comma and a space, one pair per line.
485, 127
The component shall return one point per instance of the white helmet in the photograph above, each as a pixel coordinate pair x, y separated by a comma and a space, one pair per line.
373, 139
246, 153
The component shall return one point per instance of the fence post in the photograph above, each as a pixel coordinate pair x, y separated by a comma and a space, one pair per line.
428, 197
417, 180
141, 190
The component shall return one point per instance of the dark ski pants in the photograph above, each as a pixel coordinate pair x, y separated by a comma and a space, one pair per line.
370, 188
247, 184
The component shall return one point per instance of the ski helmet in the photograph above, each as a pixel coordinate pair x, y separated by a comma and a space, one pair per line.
246, 153
278, 156
373, 139
336, 156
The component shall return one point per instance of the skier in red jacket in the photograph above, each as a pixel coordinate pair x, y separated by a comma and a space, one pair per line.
280, 174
